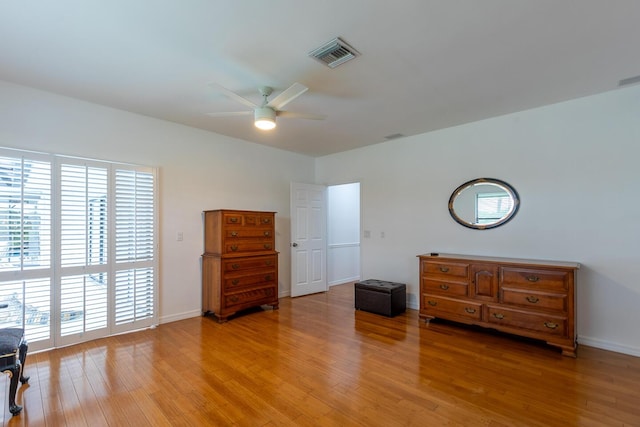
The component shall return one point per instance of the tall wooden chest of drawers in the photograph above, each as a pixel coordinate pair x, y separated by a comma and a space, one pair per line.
240, 263
536, 299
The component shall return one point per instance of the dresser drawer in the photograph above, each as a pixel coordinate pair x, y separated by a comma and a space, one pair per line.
535, 278
249, 263
534, 300
434, 305
445, 270
248, 233
249, 298
244, 246
444, 288
231, 283
520, 319
248, 219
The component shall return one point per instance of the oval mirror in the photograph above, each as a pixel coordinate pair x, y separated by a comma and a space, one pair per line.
483, 203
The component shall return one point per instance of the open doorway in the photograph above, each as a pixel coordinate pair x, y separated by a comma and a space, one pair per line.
343, 233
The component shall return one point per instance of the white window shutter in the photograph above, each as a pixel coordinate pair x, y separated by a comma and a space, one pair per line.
134, 246
77, 247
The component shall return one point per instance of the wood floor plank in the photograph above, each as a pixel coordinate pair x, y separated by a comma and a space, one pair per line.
318, 362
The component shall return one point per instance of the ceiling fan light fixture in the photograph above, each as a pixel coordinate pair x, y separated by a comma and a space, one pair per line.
265, 118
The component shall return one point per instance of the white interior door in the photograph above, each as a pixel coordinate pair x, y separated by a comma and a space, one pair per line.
308, 239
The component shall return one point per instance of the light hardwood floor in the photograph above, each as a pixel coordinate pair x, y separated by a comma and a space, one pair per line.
317, 362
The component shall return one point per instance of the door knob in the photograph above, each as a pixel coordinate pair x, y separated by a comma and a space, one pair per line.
294, 244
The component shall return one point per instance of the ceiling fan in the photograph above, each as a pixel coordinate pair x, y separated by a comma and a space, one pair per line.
265, 113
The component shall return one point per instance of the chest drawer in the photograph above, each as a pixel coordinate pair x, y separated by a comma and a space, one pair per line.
521, 319
249, 297
445, 270
247, 219
244, 246
247, 233
260, 278
435, 305
535, 278
444, 288
241, 264
534, 300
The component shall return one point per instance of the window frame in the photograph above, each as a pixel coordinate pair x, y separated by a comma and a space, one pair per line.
55, 272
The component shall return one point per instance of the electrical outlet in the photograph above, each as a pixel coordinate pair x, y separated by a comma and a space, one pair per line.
179, 236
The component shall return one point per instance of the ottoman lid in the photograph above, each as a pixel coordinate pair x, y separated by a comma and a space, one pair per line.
380, 285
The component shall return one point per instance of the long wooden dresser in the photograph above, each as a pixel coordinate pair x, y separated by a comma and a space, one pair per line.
531, 298
240, 263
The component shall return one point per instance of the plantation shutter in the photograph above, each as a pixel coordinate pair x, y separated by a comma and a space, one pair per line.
77, 247
25, 243
134, 247
83, 292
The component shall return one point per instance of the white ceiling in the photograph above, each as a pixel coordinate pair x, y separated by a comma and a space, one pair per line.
424, 64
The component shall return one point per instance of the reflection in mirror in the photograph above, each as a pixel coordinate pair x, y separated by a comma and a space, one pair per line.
483, 203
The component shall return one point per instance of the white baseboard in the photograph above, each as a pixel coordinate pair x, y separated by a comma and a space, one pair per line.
344, 280
180, 316
608, 345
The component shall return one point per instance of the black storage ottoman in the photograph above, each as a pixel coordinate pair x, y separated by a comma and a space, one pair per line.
381, 297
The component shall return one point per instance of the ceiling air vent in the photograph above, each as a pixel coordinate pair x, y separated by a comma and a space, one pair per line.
334, 53
394, 136
629, 81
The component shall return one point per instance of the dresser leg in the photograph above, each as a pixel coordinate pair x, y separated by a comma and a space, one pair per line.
426, 318
223, 319
567, 350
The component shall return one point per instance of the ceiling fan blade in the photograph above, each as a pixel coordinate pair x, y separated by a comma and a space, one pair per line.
288, 95
230, 114
233, 95
294, 115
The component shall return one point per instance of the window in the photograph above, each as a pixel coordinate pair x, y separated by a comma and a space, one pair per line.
492, 207
78, 247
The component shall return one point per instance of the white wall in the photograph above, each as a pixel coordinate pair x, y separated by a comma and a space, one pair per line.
343, 233
198, 170
575, 166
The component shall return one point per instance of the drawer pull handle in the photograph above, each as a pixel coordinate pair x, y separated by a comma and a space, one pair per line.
266, 220
233, 220
234, 234
444, 286
235, 266
234, 247
267, 233
268, 262
234, 298
432, 303
533, 300
267, 246
551, 325
498, 316
234, 282
470, 310
444, 269
267, 277
533, 278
